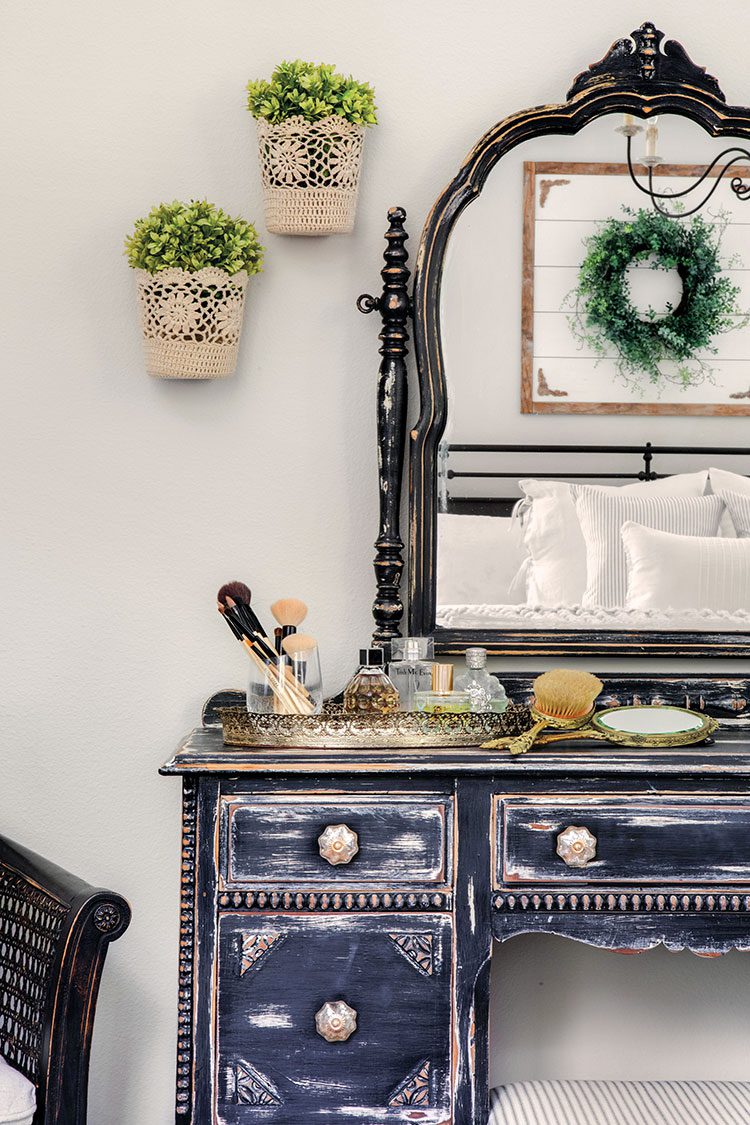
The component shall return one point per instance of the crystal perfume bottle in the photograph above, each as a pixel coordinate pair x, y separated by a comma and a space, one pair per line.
410, 668
370, 691
484, 690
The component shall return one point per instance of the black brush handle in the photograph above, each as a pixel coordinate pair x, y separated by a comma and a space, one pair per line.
235, 628
252, 618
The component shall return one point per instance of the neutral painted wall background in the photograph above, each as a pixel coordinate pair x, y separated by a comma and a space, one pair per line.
127, 501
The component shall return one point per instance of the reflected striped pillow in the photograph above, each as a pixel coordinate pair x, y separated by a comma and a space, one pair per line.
738, 505
602, 515
621, 1103
686, 572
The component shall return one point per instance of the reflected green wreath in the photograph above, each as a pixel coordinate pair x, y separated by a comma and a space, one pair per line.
605, 316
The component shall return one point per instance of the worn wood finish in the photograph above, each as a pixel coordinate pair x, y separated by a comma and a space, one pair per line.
640, 75
55, 930
269, 840
394, 308
472, 955
407, 948
276, 972
640, 840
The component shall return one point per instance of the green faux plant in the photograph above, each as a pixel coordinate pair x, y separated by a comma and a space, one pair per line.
605, 317
193, 235
304, 89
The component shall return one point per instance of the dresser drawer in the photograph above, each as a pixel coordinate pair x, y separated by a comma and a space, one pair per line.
379, 1049
665, 839
344, 840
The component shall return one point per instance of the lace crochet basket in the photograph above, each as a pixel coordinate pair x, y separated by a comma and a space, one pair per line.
191, 321
310, 174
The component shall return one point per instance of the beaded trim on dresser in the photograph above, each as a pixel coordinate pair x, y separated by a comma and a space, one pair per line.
322, 901
187, 934
615, 902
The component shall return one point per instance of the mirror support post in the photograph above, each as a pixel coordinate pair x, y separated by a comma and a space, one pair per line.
394, 306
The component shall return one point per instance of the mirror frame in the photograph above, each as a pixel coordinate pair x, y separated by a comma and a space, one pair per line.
642, 75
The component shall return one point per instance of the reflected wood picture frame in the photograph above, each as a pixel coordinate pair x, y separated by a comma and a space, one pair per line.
542, 389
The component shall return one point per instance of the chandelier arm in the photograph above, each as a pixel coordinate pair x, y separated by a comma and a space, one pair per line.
738, 187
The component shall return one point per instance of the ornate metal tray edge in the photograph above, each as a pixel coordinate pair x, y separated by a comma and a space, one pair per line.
335, 728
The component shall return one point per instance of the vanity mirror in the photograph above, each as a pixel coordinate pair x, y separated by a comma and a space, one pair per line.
579, 467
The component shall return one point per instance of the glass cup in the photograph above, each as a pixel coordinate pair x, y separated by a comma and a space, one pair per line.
292, 685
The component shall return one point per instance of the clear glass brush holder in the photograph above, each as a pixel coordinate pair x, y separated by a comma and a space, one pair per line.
289, 685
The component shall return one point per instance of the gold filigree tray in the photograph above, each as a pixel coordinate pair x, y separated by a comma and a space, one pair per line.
335, 728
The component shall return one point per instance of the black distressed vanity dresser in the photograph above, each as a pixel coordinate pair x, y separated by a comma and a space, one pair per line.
339, 910
339, 907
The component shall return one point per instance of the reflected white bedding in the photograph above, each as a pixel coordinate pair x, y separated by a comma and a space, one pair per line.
580, 617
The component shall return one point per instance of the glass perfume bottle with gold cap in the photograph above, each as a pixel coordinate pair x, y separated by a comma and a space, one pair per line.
370, 691
442, 698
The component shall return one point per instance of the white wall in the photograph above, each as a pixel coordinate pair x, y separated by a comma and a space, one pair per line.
127, 501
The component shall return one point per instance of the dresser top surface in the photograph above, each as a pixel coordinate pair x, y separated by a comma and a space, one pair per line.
203, 751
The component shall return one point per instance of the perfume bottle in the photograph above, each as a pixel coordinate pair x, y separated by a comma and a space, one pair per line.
410, 668
484, 690
370, 691
442, 698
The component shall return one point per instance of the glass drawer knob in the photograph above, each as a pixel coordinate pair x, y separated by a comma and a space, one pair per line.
338, 844
336, 1021
576, 846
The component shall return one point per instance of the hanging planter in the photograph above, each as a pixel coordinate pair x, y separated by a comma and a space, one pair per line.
192, 265
311, 131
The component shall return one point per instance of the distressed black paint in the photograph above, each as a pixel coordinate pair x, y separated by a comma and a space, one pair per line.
673, 868
394, 308
48, 915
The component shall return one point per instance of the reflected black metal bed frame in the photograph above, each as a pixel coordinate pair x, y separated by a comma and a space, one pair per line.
503, 505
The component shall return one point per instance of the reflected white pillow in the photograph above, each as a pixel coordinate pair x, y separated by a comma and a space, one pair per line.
478, 559
552, 532
667, 571
17, 1096
602, 516
721, 480
738, 506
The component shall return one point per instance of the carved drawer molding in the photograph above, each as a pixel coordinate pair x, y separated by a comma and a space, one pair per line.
646, 840
390, 842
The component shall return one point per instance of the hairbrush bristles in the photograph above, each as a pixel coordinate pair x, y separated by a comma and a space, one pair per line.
564, 693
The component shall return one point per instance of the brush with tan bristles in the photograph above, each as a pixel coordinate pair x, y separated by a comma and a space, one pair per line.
563, 699
289, 613
299, 647
234, 606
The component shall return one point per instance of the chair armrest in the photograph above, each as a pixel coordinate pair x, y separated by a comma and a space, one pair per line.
80, 921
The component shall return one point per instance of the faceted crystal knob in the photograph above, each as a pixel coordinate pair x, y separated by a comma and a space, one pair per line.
338, 844
336, 1021
576, 846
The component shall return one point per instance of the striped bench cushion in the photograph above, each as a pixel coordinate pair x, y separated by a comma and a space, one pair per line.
621, 1103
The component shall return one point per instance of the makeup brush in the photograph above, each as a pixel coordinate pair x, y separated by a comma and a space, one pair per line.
242, 596
563, 699
299, 647
290, 613
278, 673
